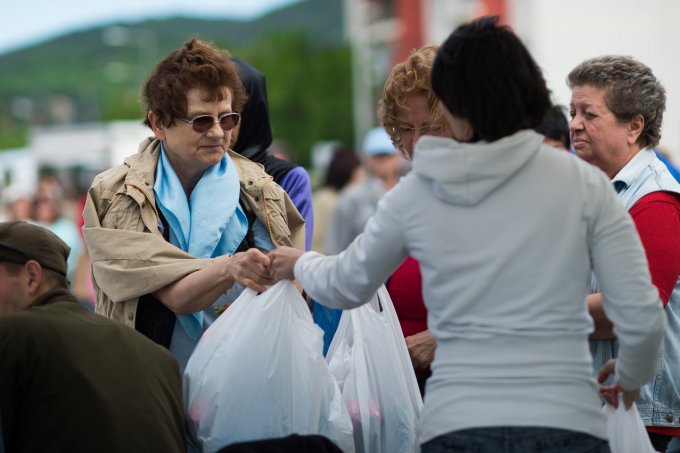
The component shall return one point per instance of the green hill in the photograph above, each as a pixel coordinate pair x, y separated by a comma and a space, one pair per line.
84, 77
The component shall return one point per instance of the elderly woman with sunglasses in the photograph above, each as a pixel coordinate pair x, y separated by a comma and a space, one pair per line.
182, 224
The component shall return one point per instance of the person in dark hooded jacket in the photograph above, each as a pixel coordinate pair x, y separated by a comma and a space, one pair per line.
254, 135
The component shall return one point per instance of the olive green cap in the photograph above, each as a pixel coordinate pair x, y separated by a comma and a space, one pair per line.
22, 241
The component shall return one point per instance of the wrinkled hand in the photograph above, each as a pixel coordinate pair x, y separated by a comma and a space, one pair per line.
251, 269
611, 392
283, 261
421, 348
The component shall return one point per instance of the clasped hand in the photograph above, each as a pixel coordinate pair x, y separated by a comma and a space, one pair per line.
254, 269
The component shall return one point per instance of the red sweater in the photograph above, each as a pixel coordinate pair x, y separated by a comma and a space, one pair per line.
405, 287
657, 219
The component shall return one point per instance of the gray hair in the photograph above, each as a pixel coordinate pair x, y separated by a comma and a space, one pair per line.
631, 88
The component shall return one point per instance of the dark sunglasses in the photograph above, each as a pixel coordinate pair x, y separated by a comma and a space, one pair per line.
203, 123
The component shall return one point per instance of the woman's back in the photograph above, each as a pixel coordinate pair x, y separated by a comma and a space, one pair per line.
515, 237
505, 252
507, 233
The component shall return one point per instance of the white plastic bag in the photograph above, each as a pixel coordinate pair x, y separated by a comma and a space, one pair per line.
627, 433
258, 372
369, 358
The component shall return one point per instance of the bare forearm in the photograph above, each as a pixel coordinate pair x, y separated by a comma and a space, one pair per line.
604, 329
197, 290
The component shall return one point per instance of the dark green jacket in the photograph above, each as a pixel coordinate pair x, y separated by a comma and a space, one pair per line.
75, 381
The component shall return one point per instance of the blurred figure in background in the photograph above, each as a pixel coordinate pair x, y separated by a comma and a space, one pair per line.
253, 136
555, 129
356, 204
343, 170
18, 202
409, 110
48, 211
280, 150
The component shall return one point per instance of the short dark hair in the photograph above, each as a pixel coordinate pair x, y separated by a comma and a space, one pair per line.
197, 64
631, 90
55, 279
483, 73
341, 168
12, 268
556, 125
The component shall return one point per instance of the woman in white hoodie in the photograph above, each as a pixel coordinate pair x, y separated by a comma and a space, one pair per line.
507, 233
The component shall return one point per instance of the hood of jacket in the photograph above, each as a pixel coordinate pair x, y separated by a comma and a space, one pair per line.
255, 130
465, 173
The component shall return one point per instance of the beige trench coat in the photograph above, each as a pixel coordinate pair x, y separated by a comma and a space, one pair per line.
130, 257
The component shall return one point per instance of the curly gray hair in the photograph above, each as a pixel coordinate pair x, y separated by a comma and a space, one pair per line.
631, 88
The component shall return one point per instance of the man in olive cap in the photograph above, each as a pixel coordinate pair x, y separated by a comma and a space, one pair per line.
71, 380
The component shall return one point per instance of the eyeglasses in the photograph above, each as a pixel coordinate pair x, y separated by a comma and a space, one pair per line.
203, 123
425, 129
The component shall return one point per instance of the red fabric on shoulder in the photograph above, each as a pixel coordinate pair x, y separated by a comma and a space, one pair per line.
657, 219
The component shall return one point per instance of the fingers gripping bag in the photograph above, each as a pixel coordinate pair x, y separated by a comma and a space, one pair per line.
369, 358
258, 372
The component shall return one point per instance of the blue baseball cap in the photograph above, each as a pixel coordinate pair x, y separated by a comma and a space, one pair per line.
378, 142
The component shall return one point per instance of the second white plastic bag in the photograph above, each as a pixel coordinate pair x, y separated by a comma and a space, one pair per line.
369, 358
627, 433
258, 372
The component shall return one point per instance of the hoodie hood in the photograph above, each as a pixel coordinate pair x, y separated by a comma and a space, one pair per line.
465, 173
255, 131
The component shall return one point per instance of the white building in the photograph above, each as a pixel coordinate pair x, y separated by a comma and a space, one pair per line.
559, 34
95, 146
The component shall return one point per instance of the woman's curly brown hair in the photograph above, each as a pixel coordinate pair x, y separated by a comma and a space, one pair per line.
197, 64
411, 77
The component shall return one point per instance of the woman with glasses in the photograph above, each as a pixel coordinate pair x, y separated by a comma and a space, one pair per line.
180, 228
409, 110
507, 233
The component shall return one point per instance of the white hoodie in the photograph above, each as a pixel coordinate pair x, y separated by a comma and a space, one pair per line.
507, 234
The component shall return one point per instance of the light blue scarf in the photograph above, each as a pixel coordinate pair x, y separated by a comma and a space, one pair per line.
210, 224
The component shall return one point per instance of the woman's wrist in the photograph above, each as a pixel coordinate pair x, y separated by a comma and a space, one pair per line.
227, 276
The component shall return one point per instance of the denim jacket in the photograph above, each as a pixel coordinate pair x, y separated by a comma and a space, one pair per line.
659, 402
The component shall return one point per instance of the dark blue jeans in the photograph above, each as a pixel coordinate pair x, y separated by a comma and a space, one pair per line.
515, 440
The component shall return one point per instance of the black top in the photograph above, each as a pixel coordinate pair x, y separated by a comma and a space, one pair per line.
255, 131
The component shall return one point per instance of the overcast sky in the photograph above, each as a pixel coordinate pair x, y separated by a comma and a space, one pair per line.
25, 22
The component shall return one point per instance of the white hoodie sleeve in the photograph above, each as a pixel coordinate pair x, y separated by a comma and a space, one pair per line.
351, 278
630, 300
